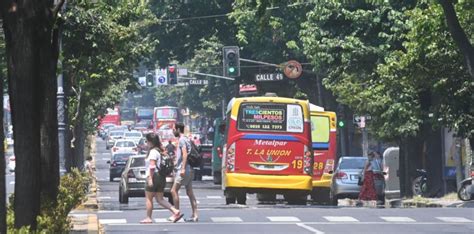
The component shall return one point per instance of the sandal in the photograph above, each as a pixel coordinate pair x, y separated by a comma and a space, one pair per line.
192, 220
177, 217
146, 221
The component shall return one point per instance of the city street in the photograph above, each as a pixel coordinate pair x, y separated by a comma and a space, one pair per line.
216, 217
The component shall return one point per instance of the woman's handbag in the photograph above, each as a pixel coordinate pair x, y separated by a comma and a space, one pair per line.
360, 181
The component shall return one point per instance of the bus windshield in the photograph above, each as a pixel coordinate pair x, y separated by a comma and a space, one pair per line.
270, 117
145, 113
166, 113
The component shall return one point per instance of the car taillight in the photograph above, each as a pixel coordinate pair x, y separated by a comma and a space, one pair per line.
130, 174
329, 166
230, 158
308, 161
341, 175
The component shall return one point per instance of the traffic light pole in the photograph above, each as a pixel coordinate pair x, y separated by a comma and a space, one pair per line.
260, 62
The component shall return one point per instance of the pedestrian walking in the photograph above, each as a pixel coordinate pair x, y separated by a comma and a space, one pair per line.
170, 149
155, 183
90, 174
183, 172
372, 171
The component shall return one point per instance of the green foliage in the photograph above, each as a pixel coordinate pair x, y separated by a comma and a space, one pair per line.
53, 216
103, 43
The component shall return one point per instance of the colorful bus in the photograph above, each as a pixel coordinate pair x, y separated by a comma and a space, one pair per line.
112, 117
143, 114
323, 137
267, 149
164, 119
127, 116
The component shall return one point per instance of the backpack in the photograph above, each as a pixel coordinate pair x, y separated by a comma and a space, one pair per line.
194, 157
166, 165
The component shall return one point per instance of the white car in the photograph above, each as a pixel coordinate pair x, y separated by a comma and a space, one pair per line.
124, 146
134, 136
11, 163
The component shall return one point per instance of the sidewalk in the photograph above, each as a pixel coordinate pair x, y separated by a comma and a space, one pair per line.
84, 217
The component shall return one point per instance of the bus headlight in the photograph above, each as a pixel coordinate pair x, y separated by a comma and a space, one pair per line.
230, 158
308, 161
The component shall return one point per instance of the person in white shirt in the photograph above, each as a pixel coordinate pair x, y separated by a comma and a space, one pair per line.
155, 183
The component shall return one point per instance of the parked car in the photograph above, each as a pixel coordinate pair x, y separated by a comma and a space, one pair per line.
132, 181
206, 164
112, 137
134, 136
124, 146
117, 164
11, 163
142, 145
346, 176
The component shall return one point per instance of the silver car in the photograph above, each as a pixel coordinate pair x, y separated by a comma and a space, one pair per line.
132, 181
346, 176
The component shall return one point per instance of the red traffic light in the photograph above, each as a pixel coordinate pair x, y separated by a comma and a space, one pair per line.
171, 69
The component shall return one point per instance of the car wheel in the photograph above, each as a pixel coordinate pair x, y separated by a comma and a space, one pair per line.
123, 196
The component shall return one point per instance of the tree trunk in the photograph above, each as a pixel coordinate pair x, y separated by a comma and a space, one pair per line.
49, 120
80, 138
458, 34
3, 193
21, 37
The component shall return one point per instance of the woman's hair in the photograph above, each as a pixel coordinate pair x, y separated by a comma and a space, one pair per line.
154, 139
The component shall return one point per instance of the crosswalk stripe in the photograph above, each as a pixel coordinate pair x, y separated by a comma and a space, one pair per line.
283, 219
104, 198
214, 197
109, 211
226, 219
112, 221
454, 219
398, 219
340, 219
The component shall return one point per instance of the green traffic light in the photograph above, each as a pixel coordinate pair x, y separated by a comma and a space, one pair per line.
341, 124
231, 69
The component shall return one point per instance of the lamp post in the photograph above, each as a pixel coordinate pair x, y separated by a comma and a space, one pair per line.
62, 114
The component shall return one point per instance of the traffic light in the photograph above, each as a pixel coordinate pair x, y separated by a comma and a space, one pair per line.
341, 123
231, 61
172, 74
150, 80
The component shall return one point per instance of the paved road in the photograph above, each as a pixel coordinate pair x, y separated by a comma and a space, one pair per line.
216, 217
9, 176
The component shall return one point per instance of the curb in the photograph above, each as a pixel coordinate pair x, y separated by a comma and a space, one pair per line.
84, 217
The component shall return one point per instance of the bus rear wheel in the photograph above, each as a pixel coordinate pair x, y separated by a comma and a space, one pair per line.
230, 197
241, 198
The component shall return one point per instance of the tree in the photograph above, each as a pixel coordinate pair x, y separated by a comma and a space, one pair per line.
103, 43
3, 198
31, 49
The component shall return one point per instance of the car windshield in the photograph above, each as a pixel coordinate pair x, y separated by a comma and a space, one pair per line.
352, 163
133, 134
121, 157
137, 162
125, 144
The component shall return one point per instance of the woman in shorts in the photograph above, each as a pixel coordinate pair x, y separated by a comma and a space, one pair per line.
155, 183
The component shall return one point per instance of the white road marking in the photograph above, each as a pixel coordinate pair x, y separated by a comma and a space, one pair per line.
398, 219
78, 215
340, 219
109, 211
104, 198
311, 229
226, 219
162, 220
183, 197
105, 159
214, 197
112, 221
283, 219
454, 219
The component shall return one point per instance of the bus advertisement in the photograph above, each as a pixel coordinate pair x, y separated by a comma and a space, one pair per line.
164, 119
267, 150
323, 136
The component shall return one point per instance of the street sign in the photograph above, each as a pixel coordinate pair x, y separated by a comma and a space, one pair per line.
142, 81
268, 77
161, 77
182, 71
248, 89
198, 82
361, 120
293, 69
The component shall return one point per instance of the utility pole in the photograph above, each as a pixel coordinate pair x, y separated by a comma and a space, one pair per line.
365, 140
62, 114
